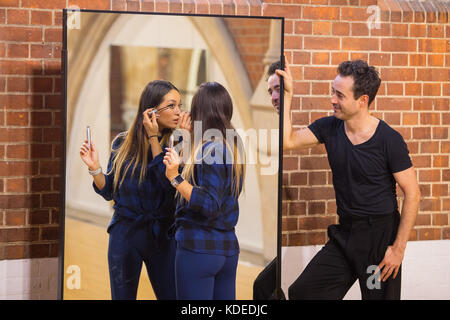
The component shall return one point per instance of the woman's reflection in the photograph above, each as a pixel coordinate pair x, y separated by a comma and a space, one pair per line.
143, 198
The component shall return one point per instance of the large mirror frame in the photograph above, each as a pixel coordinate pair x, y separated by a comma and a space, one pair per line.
67, 116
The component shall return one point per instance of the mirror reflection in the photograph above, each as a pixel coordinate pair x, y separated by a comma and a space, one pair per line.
111, 59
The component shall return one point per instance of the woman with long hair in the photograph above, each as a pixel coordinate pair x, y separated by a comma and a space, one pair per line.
143, 199
207, 191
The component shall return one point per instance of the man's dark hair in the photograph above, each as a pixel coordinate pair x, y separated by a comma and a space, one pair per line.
365, 77
274, 66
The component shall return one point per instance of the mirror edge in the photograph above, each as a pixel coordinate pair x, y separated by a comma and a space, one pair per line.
278, 290
62, 229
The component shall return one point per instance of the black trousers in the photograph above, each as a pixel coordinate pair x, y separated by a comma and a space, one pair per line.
264, 286
357, 245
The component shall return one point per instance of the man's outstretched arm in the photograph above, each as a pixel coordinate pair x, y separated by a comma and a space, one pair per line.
293, 139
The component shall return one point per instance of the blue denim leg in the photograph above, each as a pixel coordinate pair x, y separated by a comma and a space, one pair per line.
201, 276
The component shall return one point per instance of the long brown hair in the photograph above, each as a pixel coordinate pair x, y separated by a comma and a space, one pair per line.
135, 147
213, 107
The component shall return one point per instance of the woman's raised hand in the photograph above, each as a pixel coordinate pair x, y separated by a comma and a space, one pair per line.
150, 124
172, 162
185, 120
90, 156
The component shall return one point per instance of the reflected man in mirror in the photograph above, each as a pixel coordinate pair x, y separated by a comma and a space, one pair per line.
264, 285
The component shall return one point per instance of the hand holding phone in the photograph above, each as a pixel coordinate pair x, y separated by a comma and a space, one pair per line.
88, 151
171, 140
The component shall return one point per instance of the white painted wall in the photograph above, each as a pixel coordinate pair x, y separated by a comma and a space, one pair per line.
29, 279
425, 270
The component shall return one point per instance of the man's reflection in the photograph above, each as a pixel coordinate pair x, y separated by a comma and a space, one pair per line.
265, 284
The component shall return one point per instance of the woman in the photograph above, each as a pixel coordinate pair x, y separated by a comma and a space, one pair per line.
208, 209
143, 199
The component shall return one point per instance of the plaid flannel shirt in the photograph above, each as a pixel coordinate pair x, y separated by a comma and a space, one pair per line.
206, 223
151, 201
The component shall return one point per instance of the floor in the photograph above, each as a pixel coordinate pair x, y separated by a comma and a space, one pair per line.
86, 247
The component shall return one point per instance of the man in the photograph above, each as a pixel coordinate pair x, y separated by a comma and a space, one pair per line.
367, 159
273, 85
265, 284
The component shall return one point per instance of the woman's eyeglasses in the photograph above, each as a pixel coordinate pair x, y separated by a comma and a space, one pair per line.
170, 106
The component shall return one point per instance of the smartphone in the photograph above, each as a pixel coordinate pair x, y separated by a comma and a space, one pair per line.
88, 136
171, 140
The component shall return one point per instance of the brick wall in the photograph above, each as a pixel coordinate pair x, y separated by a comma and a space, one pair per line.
30, 128
410, 50
252, 46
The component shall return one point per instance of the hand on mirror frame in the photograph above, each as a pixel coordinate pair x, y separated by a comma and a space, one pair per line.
150, 123
90, 157
172, 162
185, 120
287, 76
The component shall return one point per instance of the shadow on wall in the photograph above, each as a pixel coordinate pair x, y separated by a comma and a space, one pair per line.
34, 138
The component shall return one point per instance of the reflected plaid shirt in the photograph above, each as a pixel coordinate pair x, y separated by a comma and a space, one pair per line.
206, 224
152, 200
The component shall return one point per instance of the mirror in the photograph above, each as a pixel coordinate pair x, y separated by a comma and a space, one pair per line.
109, 58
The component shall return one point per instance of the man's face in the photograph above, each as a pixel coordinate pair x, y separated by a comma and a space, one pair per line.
344, 104
273, 87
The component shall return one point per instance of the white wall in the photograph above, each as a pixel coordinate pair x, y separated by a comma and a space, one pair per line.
425, 270
29, 279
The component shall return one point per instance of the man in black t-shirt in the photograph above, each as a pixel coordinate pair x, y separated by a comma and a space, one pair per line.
367, 159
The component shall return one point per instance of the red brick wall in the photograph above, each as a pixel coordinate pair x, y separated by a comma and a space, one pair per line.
410, 50
30, 128
252, 41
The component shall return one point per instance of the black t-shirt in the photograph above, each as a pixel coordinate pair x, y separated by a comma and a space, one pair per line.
362, 174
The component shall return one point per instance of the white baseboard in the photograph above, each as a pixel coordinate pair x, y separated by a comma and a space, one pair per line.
425, 270
29, 279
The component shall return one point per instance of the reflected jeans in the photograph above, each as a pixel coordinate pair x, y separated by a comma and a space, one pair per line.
127, 251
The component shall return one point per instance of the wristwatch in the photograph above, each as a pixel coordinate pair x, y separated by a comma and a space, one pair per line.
176, 181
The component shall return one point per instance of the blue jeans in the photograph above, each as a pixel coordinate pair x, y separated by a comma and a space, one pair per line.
127, 251
201, 276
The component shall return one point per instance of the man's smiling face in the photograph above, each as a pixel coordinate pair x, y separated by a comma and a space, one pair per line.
273, 87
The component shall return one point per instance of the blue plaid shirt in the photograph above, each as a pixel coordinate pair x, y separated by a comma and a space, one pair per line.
206, 223
150, 204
